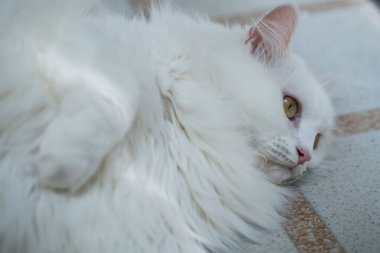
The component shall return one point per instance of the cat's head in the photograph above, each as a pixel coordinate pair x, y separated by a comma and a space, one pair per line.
296, 127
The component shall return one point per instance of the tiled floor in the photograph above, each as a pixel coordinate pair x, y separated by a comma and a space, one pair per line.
345, 192
339, 206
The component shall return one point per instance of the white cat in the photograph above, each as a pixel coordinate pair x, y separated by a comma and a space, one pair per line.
136, 136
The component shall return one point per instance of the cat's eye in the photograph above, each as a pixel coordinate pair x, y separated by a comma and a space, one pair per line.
291, 107
316, 141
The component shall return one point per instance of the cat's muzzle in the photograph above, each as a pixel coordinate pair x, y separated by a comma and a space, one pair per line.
284, 175
296, 176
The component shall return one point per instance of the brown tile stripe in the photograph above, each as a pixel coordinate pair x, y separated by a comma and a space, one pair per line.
329, 5
307, 230
359, 122
311, 7
142, 6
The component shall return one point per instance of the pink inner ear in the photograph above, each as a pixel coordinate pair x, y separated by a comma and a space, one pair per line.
254, 38
274, 31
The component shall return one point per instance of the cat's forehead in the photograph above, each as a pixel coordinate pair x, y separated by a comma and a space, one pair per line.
297, 79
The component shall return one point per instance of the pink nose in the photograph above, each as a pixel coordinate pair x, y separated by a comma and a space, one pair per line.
303, 155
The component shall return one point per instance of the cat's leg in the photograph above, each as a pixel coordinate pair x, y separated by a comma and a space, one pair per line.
91, 120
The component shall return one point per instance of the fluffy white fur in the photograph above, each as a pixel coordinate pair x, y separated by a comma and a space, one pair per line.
136, 136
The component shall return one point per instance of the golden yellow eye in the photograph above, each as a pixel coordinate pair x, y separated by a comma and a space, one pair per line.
291, 106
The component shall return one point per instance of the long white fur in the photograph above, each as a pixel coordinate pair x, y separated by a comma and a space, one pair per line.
130, 136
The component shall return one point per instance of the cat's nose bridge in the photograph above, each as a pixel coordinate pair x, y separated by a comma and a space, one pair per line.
303, 155
306, 136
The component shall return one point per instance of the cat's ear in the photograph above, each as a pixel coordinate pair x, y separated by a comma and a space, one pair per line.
270, 37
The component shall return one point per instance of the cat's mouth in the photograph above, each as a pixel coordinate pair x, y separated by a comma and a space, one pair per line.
284, 175
301, 172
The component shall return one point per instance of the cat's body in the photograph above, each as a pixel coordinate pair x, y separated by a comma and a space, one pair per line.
133, 136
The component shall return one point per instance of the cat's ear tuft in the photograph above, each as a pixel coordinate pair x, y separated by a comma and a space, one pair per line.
270, 37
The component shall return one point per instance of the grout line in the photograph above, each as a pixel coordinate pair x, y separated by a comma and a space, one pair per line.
246, 18
308, 231
359, 122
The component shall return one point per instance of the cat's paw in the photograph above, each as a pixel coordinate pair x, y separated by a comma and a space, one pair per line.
76, 142
68, 157
68, 172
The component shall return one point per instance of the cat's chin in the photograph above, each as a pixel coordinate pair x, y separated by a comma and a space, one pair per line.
280, 174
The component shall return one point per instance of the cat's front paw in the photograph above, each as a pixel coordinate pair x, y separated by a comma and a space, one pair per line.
65, 171
74, 145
